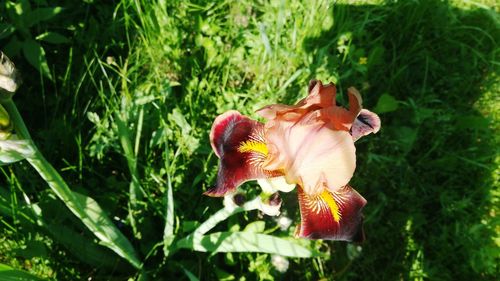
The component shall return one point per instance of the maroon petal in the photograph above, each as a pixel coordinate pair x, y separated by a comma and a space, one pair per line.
332, 216
230, 132
366, 122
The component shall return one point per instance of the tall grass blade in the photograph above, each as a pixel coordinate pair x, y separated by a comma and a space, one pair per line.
168, 233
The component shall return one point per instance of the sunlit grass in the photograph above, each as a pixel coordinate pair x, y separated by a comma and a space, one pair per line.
136, 91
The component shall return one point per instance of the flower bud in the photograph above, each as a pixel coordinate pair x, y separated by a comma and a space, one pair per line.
280, 263
9, 77
270, 204
5, 124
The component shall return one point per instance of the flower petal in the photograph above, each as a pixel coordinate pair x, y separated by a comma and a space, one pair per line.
271, 185
271, 206
237, 141
339, 118
319, 97
312, 155
333, 216
367, 122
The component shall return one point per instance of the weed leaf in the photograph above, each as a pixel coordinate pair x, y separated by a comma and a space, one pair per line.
6, 29
386, 103
52, 37
41, 14
35, 54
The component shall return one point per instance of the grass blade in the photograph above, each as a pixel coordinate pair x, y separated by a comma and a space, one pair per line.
168, 233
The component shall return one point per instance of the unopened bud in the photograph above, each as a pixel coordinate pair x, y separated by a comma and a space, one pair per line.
239, 199
280, 263
275, 199
5, 124
270, 204
9, 77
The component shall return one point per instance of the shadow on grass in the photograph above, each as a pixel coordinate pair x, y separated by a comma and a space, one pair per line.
427, 174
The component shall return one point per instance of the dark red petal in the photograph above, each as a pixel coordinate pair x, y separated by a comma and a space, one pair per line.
366, 122
340, 220
228, 132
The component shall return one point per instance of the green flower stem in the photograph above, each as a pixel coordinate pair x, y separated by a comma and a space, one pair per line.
95, 220
225, 213
211, 222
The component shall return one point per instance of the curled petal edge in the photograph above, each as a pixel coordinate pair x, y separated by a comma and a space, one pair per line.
366, 123
320, 96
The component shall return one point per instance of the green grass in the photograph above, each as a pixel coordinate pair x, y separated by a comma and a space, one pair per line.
138, 85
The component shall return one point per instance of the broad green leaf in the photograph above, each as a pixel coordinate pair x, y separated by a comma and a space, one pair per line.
224, 275
41, 14
102, 227
6, 29
35, 54
386, 103
190, 275
83, 248
8, 273
13, 150
256, 226
34, 248
52, 37
190, 142
249, 242
13, 48
188, 225
406, 137
180, 120
472, 122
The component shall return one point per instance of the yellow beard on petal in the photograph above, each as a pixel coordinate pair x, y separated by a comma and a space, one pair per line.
330, 201
318, 203
253, 146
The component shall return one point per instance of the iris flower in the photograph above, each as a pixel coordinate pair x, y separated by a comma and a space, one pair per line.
310, 146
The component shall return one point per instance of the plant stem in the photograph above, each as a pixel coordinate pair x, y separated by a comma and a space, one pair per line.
211, 222
223, 214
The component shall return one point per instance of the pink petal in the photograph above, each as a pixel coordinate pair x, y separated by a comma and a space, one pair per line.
311, 155
229, 131
333, 216
366, 123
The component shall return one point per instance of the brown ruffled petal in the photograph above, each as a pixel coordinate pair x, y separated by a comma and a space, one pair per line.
331, 215
237, 141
